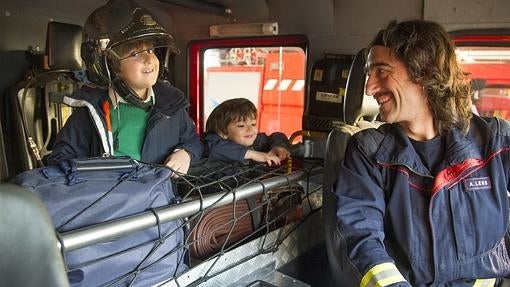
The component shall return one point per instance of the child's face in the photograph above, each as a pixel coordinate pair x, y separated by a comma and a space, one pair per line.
139, 68
242, 132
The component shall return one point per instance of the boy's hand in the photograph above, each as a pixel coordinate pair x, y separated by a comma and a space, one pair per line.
179, 161
281, 152
266, 157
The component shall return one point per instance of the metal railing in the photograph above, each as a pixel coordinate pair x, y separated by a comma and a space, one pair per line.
107, 231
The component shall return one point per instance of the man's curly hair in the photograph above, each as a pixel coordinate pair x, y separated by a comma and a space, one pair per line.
429, 54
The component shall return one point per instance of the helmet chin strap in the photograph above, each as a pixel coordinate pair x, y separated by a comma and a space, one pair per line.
128, 94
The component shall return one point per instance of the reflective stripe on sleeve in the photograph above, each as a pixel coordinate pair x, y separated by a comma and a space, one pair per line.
106, 137
380, 275
485, 282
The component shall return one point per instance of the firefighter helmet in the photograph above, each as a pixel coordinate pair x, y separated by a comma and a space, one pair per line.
116, 23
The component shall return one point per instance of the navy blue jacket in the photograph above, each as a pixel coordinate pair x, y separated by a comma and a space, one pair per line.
169, 127
444, 229
226, 150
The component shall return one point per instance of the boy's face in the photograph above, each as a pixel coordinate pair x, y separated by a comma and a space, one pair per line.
242, 132
139, 68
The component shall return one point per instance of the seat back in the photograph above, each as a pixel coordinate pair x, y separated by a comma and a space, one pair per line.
63, 46
357, 105
28, 244
4, 171
36, 102
359, 112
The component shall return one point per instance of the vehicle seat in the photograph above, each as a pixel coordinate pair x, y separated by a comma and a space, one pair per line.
36, 102
360, 112
28, 243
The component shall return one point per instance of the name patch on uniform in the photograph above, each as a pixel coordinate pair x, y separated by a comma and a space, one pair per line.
477, 183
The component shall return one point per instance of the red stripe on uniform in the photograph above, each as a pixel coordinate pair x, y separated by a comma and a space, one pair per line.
449, 174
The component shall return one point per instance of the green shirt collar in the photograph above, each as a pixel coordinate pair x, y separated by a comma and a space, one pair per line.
115, 98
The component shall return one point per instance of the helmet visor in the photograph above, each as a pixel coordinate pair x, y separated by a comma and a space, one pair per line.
136, 46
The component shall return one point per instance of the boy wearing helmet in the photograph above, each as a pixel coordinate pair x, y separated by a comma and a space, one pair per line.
130, 112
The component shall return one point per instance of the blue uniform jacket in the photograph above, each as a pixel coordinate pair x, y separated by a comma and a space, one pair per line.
449, 227
169, 127
226, 150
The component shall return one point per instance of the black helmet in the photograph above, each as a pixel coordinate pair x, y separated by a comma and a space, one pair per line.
114, 24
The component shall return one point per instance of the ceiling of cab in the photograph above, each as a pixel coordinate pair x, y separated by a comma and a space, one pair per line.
241, 10
236, 10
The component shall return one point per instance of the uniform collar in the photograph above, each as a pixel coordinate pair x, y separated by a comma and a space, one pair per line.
396, 148
115, 98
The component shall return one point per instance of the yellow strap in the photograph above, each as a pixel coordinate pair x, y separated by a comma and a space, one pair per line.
381, 275
485, 282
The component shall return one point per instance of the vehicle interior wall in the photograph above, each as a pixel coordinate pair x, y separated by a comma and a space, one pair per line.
338, 26
468, 14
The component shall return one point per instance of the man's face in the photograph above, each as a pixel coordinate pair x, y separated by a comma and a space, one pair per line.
242, 132
139, 67
400, 99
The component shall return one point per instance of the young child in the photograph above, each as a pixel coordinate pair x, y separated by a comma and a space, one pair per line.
231, 135
133, 113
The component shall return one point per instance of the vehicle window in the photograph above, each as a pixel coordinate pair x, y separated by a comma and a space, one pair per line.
273, 78
489, 68
270, 74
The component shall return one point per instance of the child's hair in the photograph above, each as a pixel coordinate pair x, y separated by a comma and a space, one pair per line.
238, 109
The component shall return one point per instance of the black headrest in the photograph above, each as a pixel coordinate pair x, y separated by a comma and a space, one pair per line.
30, 256
357, 105
63, 46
